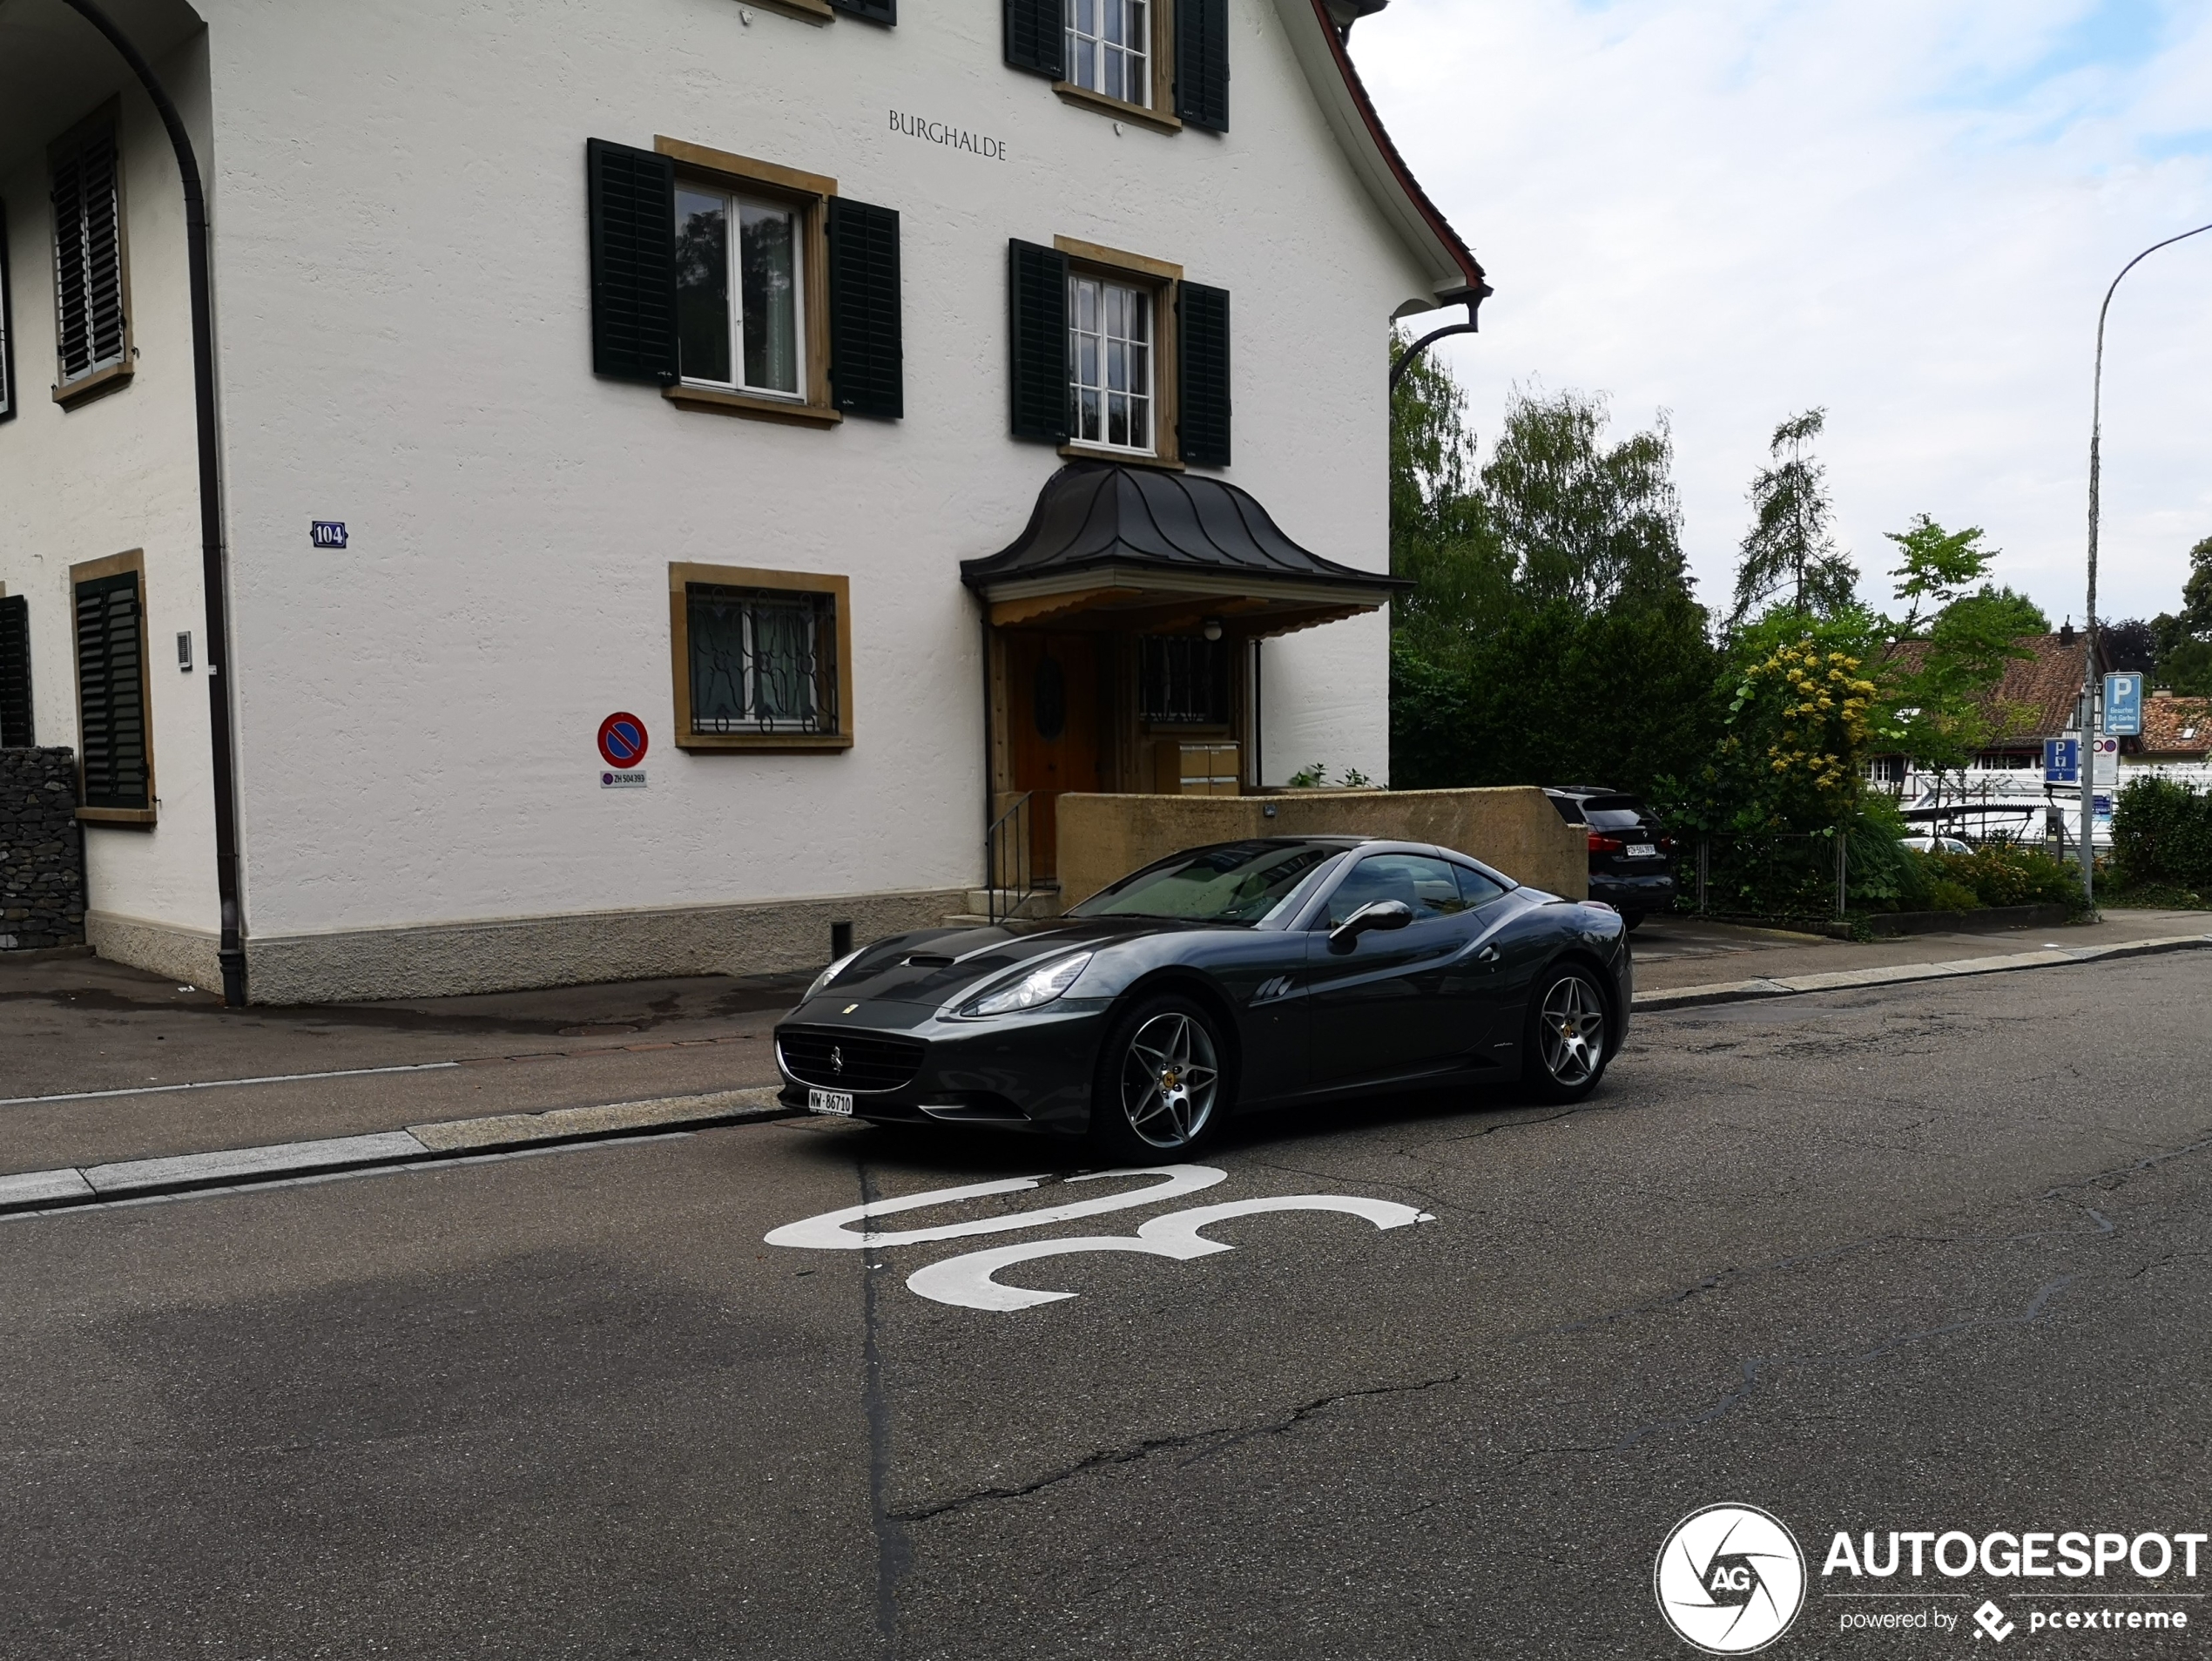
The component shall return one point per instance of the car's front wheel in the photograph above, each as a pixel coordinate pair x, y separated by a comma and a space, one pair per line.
1160, 1088
1565, 1044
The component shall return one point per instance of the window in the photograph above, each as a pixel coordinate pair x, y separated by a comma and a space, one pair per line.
1184, 681
1430, 887
16, 730
7, 328
91, 298
1109, 363
115, 738
1115, 352
1109, 47
1162, 64
762, 659
739, 304
742, 287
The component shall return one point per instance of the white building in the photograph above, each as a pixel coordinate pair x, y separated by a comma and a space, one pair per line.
669, 358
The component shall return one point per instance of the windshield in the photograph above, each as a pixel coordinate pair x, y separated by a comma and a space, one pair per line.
1237, 882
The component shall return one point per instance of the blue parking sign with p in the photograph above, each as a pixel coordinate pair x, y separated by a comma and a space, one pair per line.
2124, 706
2061, 761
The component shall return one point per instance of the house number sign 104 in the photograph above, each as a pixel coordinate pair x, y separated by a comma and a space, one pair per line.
326, 533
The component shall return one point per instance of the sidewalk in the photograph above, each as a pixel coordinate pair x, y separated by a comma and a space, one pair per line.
1675, 952
152, 1089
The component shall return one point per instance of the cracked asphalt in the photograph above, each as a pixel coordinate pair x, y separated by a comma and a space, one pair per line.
1899, 1259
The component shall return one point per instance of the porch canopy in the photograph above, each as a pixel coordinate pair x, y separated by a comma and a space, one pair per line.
1146, 550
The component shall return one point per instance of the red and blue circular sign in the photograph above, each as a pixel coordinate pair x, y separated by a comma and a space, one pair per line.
623, 742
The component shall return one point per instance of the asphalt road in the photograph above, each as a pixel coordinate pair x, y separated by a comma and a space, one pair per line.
1896, 1260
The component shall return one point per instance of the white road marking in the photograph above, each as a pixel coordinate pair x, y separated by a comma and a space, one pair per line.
225, 1084
965, 1281
829, 1233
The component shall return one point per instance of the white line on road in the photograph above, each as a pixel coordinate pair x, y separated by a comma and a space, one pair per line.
225, 1084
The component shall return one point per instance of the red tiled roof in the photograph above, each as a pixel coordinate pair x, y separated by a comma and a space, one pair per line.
2180, 727
2041, 686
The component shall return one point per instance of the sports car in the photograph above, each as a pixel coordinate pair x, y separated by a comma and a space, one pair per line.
1225, 979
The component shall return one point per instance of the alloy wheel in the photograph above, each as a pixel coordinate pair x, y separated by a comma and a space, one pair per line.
1572, 1027
1169, 1078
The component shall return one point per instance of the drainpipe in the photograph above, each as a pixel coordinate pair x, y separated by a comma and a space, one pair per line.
231, 951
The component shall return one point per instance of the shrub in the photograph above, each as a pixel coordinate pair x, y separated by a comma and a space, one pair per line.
1944, 894
2005, 875
2161, 832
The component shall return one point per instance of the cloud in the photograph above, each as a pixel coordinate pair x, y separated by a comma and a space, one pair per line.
1905, 210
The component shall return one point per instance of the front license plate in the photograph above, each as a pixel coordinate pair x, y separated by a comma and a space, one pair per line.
1642, 850
830, 1101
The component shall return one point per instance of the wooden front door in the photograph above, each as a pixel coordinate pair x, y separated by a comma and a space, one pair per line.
1053, 712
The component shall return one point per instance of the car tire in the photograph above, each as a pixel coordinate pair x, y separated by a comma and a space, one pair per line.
1633, 920
1162, 1089
1567, 1036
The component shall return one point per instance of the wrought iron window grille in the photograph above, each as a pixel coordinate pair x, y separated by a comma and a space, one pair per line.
762, 660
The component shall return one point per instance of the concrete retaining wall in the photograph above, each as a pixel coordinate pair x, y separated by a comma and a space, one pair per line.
1514, 830
42, 851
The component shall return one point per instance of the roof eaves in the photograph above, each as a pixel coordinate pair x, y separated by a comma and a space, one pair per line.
1343, 95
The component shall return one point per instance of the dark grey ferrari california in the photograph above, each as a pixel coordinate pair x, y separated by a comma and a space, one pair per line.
1225, 979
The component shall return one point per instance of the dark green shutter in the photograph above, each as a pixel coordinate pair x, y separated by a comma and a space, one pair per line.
1202, 316
864, 366
110, 692
1037, 36
1037, 291
15, 732
88, 258
885, 11
633, 263
1202, 63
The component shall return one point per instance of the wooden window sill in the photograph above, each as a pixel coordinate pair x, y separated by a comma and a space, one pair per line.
822, 743
813, 11
1099, 453
1083, 98
755, 409
98, 384
143, 817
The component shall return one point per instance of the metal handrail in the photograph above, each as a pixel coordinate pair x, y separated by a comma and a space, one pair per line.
1007, 840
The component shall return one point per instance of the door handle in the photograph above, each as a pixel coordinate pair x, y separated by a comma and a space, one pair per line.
1488, 955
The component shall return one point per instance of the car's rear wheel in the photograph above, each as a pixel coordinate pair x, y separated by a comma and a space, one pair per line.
1160, 1088
1568, 1036
1633, 920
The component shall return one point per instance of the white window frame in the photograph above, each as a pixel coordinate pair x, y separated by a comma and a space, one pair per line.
734, 203
1148, 394
1136, 56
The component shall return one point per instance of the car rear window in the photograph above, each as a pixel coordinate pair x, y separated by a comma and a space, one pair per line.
1613, 818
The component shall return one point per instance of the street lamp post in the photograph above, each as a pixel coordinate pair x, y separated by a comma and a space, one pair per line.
2088, 758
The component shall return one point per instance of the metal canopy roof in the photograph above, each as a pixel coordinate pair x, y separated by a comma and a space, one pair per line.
1099, 524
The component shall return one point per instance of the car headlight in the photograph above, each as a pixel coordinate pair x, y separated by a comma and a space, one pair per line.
828, 975
1040, 986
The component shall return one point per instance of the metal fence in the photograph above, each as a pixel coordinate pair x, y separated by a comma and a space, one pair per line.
1774, 873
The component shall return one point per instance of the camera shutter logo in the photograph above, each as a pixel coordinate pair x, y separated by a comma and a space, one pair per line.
1729, 1579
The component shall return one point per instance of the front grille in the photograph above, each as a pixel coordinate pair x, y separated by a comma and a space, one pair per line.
871, 1062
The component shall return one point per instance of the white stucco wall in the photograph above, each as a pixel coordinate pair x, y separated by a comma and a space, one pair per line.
117, 474
402, 289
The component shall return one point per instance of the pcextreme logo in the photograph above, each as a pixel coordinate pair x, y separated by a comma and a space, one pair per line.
1729, 1579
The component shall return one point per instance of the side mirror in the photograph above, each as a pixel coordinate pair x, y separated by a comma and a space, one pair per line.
1379, 914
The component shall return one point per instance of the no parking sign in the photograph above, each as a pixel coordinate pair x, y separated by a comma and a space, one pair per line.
623, 740
623, 744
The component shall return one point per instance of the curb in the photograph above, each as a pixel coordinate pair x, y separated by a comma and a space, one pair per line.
443, 1142
1683, 997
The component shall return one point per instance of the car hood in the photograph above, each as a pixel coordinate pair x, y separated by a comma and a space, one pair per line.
933, 966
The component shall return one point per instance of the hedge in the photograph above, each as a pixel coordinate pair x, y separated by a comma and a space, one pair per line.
2161, 832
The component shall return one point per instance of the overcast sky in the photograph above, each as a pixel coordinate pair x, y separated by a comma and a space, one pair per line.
1905, 210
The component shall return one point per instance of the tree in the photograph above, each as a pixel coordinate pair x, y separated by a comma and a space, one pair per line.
2184, 640
2129, 643
1551, 633
1949, 651
1790, 555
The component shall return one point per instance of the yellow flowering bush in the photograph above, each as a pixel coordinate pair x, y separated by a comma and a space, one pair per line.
1809, 712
